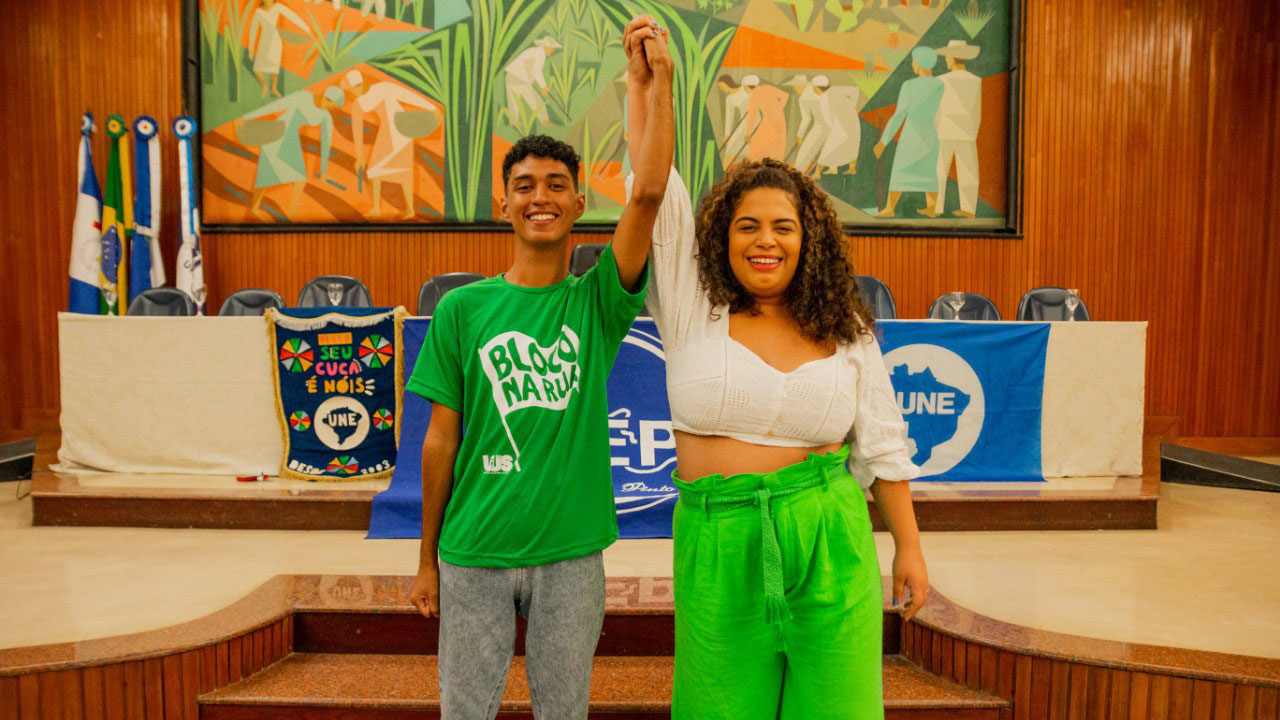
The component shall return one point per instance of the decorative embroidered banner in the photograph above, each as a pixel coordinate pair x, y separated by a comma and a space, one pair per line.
338, 379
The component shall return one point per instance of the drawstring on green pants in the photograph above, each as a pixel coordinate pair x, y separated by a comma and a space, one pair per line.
775, 600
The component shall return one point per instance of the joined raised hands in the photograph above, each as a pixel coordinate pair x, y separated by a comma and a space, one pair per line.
646, 44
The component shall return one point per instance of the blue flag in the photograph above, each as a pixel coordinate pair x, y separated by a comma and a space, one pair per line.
146, 270
971, 395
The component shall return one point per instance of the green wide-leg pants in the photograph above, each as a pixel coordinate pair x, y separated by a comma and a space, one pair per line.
777, 597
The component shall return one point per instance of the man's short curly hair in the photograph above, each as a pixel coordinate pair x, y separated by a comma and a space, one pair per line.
823, 296
544, 147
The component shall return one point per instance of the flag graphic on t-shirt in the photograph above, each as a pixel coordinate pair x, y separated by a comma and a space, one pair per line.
524, 374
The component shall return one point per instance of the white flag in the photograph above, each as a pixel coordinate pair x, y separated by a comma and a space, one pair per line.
190, 275
86, 232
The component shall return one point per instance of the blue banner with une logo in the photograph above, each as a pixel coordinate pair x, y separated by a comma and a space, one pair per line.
971, 394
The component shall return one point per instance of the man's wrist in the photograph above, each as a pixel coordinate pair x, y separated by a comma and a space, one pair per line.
909, 543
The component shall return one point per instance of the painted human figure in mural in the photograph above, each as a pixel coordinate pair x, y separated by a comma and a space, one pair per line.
391, 158
526, 81
735, 119
379, 8
766, 120
266, 44
915, 165
839, 107
281, 161
814, 126
959, 114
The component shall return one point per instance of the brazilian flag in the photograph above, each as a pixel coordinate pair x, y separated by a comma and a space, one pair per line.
117, 222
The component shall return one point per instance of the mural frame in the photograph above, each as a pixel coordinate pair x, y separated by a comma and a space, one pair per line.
192, 88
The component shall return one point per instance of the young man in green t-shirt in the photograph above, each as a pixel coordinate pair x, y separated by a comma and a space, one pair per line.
519, 506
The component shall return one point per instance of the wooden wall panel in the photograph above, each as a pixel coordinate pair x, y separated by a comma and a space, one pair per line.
1041, 688
1152, 183
164, 687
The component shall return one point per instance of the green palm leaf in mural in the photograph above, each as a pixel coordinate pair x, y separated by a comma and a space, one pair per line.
458, 67
698, 44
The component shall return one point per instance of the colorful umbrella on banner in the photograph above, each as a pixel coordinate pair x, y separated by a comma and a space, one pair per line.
146, 268
190, 276
113, 277
86, 231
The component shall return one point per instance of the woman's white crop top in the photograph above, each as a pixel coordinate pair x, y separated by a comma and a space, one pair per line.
717, 386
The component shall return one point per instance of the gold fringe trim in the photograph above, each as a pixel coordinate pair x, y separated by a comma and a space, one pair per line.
350, 321
400, 314
270, 316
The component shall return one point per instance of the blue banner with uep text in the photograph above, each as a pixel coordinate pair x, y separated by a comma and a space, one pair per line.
640, 437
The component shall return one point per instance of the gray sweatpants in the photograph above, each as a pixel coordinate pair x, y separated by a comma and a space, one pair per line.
564, 605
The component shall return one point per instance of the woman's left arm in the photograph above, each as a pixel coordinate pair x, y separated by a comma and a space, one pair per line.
893, 501
882, 463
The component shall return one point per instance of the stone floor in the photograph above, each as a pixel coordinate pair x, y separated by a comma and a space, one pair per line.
1205, 580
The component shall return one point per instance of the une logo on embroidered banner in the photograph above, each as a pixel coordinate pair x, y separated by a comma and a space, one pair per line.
342, 422
941, 399
641, 439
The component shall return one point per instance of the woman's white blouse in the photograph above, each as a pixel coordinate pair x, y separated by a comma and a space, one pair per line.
717, 386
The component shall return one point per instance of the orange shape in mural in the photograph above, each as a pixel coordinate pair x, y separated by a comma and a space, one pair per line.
752, 48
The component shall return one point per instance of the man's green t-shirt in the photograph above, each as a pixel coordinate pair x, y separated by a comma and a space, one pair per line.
527, 368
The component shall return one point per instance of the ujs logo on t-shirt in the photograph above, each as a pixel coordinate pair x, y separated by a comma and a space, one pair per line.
524, 374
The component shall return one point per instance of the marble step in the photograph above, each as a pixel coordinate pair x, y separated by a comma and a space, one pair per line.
329, 686
404, 632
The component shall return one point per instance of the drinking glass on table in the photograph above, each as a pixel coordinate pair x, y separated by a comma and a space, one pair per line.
335, 292
956, 301
1072, 302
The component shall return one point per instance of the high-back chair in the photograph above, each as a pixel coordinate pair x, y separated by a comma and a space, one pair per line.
435, 288
162, 302
1049, 303
976, 307
584, 257
334, 291
250, 302
875, 295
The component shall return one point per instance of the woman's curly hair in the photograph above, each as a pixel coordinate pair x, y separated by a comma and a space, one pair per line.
823, 295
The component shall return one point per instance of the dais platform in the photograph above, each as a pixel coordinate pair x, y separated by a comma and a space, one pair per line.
202, 501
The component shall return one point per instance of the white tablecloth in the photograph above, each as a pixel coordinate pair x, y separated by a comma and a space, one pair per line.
195, 396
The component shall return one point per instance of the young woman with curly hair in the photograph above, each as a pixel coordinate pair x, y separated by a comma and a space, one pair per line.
783, 414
